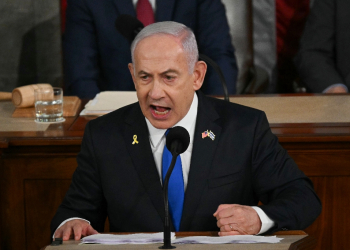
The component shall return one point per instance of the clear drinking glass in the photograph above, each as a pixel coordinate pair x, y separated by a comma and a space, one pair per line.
49, 104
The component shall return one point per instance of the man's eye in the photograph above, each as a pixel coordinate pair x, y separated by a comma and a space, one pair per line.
169, 77
144, 77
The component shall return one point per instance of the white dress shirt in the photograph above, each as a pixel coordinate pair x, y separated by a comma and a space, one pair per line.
157, 141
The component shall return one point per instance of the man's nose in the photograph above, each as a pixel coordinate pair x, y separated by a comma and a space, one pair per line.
156, 91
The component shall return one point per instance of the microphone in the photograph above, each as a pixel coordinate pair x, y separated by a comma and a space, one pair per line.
177, 142
128, 26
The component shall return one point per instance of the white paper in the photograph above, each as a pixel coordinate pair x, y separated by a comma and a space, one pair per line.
112, 239
108, 101
227, 239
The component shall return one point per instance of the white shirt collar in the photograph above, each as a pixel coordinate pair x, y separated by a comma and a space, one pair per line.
188, 122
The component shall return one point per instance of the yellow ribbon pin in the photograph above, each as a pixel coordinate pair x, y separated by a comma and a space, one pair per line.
135, 140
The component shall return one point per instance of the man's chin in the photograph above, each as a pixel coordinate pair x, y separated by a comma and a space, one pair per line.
161, 123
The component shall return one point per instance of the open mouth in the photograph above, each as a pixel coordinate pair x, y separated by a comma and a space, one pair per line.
160, 111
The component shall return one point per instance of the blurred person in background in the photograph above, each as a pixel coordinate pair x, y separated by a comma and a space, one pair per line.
96, 54
323, 58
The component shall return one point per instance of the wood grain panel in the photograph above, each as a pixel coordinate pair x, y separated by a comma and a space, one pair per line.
322, 162
42, 151
2, 177
12, 212
42, 198
16, 171
331, 227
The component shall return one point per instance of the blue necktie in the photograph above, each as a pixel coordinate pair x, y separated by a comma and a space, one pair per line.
176, 193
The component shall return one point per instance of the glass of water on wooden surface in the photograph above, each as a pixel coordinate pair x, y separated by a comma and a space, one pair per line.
49, 104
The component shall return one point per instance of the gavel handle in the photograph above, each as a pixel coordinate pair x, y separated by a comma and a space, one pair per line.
5, 96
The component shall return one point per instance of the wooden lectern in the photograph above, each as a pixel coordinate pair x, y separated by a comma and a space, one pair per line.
37, 163
292, 240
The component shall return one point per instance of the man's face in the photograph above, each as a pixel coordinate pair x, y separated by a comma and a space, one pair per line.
164, 86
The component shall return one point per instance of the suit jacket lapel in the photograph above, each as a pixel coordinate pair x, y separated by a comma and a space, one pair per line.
125, 7
201, 161
164, 10
142, 157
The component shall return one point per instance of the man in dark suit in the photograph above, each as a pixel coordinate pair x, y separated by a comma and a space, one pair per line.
233, 160
323, 58
96, 55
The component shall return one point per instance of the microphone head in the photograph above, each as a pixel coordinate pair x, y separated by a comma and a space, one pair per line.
128, 26
177, 140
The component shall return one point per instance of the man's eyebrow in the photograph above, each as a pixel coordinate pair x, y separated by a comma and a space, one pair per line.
170, 71
142, 73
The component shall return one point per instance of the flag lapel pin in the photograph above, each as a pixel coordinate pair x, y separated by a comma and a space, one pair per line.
205, 134
209, 134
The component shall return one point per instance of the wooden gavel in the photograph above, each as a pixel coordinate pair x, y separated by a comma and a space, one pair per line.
23, 97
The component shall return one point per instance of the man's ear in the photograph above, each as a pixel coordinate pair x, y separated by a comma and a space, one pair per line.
199, 71
131, 69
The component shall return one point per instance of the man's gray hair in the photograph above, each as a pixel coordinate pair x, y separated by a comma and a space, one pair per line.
178, 30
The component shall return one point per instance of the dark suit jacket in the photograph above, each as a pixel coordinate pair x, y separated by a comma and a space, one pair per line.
96, 55
244, 164
323, 58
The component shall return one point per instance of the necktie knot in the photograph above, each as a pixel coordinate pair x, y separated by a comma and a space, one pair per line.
144, 12
167, 132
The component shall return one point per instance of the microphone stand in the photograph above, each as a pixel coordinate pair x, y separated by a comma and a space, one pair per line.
167, 238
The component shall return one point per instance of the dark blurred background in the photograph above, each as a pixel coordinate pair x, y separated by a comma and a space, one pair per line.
31, 37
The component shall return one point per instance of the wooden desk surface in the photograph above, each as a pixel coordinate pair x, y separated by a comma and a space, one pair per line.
71, 131
36, 167
292, 240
